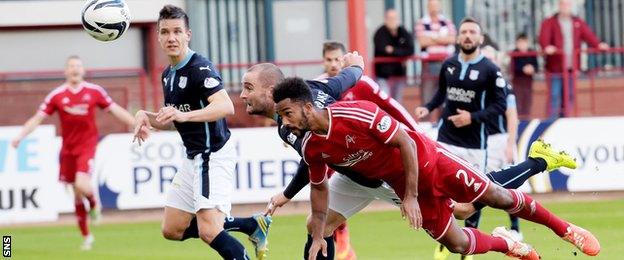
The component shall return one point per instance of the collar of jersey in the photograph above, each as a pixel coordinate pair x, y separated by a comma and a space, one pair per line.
187, 58
473, 61
465, 64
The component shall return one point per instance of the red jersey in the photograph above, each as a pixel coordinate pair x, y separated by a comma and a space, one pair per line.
76, 108
367, 89
357, 139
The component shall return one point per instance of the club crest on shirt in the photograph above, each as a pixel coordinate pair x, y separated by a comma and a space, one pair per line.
474, 74
86, 97
65, 100
182, 83
384, 124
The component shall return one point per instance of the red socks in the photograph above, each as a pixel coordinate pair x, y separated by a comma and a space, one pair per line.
81, 215
92, 201
527, 208
480, 243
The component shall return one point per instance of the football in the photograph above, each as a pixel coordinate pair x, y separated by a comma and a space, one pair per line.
105, 20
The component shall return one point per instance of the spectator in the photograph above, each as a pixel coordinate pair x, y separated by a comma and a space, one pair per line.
524, 67
561, 35
436, 37
392, 40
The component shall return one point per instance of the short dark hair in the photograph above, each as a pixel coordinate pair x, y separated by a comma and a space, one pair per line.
469, 19
332, 46
294, 88
522, 36
173, 12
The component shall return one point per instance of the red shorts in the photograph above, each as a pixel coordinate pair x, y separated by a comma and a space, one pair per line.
450, 179
75, 163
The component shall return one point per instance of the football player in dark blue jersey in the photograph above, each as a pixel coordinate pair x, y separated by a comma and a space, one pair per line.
472, 89
199, 199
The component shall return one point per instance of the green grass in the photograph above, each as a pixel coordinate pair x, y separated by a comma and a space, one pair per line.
379, 235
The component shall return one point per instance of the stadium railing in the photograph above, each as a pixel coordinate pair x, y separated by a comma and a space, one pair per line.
594, 95
22, 92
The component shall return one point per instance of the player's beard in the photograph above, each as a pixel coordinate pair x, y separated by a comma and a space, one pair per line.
469, 50
303, 127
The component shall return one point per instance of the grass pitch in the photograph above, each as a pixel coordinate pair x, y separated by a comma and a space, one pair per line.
375, 235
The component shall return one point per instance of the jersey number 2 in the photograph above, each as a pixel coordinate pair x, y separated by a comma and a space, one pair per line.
469, 183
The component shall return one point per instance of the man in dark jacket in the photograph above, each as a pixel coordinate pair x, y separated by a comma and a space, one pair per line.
392, 40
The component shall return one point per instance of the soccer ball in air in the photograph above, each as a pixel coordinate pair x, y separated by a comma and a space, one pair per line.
105, 20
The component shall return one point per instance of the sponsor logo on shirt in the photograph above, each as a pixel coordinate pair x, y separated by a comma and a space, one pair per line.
354, 158
460, 95
77, 110
181, 107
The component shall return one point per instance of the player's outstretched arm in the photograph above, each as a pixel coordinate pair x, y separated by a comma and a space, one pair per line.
300, 180
122, 115
219, 106
319, 202
409, 208
29, 126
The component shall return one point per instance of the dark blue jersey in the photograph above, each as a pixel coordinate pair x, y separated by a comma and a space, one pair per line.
498, 124
187, 87
476, 86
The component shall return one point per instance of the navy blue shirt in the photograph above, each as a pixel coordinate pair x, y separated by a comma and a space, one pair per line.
187, 87
498, 125
476, 86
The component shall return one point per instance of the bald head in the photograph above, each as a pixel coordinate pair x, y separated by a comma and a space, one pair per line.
258, 83
268, 73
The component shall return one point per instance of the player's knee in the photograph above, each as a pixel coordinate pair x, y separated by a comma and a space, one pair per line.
497, 197
456, 249
462, 213
172, 233
208, 232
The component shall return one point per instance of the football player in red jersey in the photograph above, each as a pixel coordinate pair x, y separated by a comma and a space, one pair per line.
75, 101
422, 173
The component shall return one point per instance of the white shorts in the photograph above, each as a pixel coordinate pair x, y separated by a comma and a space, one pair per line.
476, 157
204, 184
347, 197
497, 143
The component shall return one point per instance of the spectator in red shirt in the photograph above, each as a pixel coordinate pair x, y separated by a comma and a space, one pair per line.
560, 36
